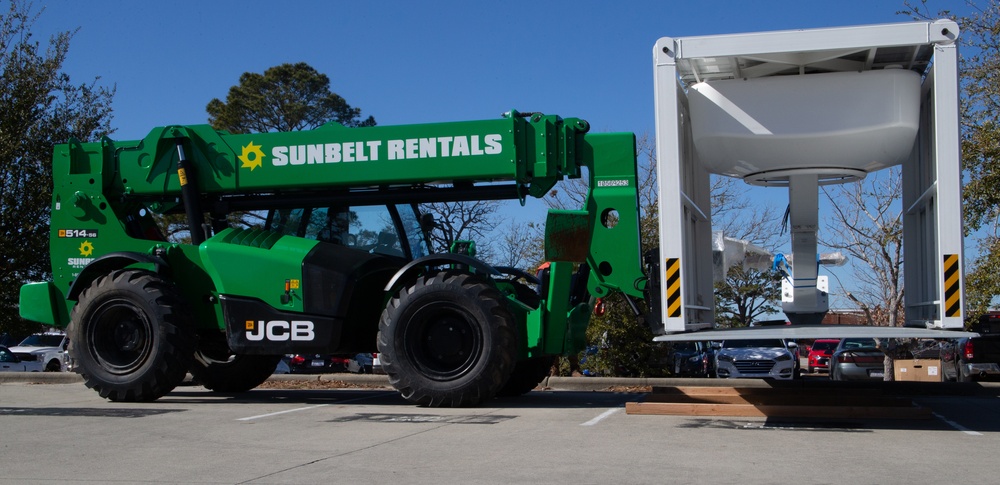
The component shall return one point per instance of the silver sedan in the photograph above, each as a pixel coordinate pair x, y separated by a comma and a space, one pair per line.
857, 359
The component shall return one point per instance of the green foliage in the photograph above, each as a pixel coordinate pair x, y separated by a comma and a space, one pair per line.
40, 107
289, 97
624, 344
981, 283
980, 68
745, 295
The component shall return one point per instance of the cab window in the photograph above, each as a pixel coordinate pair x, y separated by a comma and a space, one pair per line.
375, 229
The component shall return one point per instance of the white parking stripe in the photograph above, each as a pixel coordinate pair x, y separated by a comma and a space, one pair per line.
281, 412
957, 426
600, 417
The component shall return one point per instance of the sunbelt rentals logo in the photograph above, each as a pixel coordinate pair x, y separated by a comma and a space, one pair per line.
252, 155
86, 249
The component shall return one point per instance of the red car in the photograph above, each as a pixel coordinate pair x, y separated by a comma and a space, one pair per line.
819, 354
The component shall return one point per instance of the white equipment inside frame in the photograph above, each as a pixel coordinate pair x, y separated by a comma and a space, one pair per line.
799, 109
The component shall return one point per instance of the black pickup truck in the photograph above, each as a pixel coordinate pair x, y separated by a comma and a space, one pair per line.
978, 357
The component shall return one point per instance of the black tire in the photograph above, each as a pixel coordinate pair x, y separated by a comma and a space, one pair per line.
447, 340
131, 336
526, 376
232, 373
53, 366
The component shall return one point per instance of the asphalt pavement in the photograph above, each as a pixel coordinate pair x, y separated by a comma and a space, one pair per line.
563, 432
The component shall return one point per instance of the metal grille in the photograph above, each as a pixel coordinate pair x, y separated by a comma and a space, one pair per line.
754, 366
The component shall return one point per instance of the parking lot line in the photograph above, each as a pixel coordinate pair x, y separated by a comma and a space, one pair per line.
957, 426
600, 417
281, 412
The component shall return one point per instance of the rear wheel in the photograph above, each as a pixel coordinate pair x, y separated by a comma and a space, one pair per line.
131, 336
447, 340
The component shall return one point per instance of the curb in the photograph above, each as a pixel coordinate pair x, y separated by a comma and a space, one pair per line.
40, 377
584, 383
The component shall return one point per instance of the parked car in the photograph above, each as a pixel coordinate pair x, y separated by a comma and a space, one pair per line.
328, 364
761, 358
976, 358
316, 363
9, 362
819, 354
43, 352
692, 359
972, 359
857, 359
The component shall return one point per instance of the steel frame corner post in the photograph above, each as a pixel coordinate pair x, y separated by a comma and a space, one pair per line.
933, 268
687, 294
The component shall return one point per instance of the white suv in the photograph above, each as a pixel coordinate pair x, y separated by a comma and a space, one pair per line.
43, 352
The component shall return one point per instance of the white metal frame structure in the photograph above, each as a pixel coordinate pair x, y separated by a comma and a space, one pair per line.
933, 243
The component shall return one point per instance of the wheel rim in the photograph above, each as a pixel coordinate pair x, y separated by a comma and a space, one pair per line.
442, 340
120, 338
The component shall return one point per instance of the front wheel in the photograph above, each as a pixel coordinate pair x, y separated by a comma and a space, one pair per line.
53, 366
447, 340
131, 336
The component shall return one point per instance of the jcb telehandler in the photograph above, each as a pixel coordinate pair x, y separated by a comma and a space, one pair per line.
342, 264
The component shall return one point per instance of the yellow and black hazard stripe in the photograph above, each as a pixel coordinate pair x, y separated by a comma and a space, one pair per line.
952, 285
673, 285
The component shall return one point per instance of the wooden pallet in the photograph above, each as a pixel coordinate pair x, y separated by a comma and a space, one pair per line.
777, 402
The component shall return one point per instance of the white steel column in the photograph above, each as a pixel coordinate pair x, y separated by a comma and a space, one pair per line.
686, 293
807, 306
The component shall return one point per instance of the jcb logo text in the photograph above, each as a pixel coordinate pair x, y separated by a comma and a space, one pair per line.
280, 331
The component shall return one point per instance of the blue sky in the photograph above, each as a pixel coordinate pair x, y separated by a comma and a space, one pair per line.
410, 62
414, 62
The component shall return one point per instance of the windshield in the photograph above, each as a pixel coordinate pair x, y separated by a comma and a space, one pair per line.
414, 233
824, 345
42, 341
753, 343
858, 343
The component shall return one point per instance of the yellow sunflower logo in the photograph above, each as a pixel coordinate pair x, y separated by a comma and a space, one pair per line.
252, 157
86, 248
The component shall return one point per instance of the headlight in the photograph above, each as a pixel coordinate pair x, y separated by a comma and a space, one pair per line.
726, 358
783, 357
